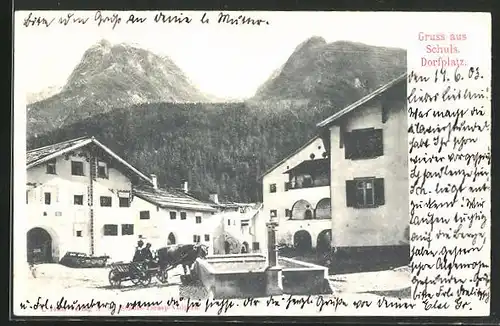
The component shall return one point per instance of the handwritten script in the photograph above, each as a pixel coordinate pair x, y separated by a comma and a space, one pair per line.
114, 19
449, 154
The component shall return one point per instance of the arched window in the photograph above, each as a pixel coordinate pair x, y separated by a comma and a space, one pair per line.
323, 209
301, 210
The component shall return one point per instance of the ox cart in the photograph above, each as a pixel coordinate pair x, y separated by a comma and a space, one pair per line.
139, 273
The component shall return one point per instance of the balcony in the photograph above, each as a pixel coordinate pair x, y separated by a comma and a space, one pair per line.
309, 174
316, 183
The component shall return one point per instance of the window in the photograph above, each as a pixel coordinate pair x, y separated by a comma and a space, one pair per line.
272, 187
228, 222
105, 201
364, 143
79, 233
207, 237
274, 213
173, 215
196, 238
255, 246
365, 192
27, 195
110, 229
51, 167
144, 215
288, 212
76, 168
127, 229
198, 219
102, 170
47, 196
124, 202
78, 199
183, 215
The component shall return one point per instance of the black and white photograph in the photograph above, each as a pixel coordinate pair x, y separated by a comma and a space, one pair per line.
207, 162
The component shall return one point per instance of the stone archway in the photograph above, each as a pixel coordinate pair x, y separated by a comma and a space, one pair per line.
245, 248
324, 241
171, 239
39, 246
302, 241
323, 209
302, 210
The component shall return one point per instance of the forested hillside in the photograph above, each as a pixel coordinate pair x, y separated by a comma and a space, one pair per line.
216, 147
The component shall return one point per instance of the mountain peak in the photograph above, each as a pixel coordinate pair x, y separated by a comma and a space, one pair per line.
310, 43
111, 76
336, 71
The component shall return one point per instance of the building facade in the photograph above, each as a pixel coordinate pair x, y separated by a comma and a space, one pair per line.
368, 148
296, 193
78, 192
242, 228
171, 216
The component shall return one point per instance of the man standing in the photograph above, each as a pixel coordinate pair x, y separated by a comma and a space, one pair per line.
138, 251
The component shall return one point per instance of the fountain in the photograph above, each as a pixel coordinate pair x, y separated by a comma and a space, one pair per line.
255, 275
274, 272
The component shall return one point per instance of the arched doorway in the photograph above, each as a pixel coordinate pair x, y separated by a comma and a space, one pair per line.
302, 241
245, 247
324, 243
39, 246
227, 247
171, 239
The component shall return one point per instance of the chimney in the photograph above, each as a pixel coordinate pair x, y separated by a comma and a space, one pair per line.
214, 198
185, 186
155, 181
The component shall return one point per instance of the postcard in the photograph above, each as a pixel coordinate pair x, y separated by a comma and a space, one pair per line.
222, 163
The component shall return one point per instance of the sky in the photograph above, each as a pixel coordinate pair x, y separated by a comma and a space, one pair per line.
221, 60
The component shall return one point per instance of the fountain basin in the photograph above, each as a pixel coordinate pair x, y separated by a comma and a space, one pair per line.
245, 275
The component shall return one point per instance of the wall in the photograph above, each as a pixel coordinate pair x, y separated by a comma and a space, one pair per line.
157, 229
384, 225
60, 218
282, 200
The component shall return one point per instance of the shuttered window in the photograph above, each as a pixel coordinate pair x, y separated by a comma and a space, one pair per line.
288, 212
364, 144
365, 192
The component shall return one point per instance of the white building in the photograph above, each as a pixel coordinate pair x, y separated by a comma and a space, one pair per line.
241, 227
172, 216
296, 192
82, 197
78, 194
368, 146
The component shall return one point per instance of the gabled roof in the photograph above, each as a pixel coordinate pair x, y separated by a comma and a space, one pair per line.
271, 169
171, 198
362, 101
319, 165
41, 155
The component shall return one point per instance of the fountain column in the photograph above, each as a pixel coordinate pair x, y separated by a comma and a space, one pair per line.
274, 272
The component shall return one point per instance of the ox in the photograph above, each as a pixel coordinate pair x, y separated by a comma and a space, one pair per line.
185, 255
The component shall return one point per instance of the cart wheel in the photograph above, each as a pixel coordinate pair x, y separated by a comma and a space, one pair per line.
135, 279
162, 276
145, 280
114, 278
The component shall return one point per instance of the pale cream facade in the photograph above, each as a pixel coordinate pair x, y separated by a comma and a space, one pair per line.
378, 212
302, 210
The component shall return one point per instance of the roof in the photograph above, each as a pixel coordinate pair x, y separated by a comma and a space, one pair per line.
320, 165
361, 101
171, 198
310, 141
41, 155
